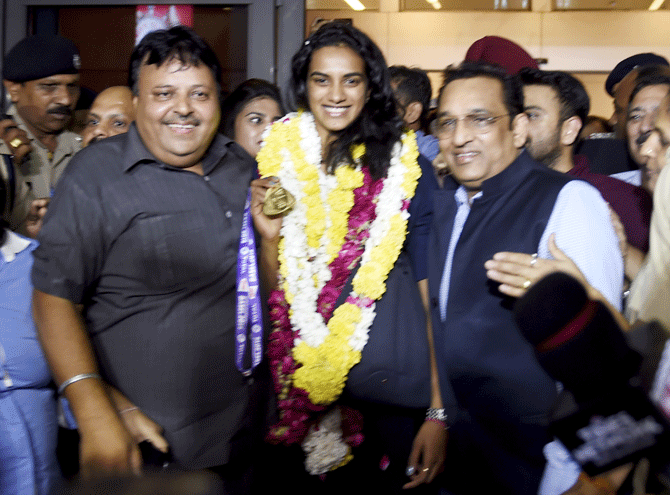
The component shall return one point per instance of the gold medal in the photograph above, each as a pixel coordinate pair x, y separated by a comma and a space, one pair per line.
278, 201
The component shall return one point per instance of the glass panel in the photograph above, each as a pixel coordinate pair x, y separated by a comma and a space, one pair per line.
339, 5
606, 4
465, 5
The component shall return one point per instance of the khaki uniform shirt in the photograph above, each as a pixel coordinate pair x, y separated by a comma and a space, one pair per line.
38, 174
650, 292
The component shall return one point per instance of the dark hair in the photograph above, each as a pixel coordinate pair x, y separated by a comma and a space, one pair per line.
178, 42
378, 126
650, 75
571, 93
511, 86
412, 85
604, 123
244, 93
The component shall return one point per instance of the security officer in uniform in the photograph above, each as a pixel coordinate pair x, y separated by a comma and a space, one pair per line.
41, 78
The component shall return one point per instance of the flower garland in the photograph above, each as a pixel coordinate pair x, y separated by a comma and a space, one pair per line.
338, 219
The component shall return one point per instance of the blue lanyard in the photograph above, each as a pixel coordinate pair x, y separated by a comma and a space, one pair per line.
248, 298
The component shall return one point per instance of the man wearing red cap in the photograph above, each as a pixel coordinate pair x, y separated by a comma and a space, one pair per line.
502, 52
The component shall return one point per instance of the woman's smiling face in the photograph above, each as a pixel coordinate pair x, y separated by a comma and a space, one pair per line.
337, 89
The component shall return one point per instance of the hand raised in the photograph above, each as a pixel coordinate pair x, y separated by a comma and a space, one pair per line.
16, 139
33, 222
517, 272
267, 227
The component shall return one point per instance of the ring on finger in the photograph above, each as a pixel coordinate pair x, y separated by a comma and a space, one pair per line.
16, 142
425, 470
526, 284
533, 259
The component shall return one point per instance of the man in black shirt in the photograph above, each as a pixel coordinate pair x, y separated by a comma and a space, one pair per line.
144, 231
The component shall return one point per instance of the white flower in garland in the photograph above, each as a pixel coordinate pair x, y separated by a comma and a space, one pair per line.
324, 445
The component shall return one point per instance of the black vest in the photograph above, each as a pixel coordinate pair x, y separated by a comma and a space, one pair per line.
486, 365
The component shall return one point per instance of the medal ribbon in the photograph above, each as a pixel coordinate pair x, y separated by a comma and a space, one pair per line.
248, 297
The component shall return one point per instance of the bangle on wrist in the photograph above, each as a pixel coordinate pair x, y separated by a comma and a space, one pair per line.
76, 378
437, 415
128, 409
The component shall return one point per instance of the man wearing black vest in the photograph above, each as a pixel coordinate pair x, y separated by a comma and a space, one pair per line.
498, 199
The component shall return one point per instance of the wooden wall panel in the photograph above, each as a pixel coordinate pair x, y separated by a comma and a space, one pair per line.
106, 35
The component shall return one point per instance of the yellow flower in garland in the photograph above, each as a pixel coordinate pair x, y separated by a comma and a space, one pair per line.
349, 177
371, 277
341, 200
283, 139
341, 204
409, 160
309, 177
358, 152
326, 367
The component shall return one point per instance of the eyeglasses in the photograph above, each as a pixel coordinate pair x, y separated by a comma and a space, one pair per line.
481, 124
637, 116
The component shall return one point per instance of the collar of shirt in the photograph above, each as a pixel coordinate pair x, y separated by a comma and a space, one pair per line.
13, 245
461, 197
135, 152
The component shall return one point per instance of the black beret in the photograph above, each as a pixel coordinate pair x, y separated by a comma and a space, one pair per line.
625, 66
36, 57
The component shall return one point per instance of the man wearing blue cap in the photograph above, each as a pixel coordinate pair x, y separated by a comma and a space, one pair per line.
620, 84
41, 77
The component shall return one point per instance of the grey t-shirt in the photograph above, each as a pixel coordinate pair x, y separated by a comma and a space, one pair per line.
151, 251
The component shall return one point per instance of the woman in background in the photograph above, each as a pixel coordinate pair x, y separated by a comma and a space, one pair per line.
248, 110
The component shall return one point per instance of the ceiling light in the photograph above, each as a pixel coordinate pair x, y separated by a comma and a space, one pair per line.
355, 4
435, 4
656, 4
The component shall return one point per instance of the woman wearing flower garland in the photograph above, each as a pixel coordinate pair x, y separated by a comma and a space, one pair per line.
361, 200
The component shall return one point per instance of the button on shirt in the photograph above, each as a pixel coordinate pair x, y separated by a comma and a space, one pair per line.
151, 252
